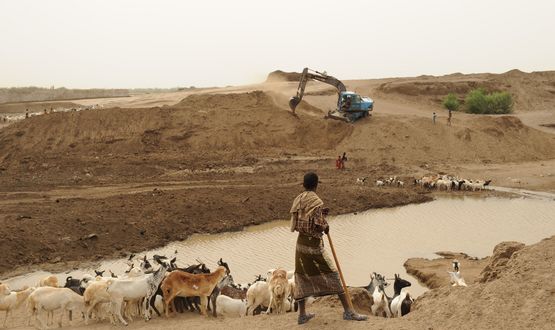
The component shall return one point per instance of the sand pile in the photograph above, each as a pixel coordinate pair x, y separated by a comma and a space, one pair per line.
201, 130
483, 139
521, 295
531, 91
278, 75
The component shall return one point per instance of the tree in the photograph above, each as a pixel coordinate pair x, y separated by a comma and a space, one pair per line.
450, 102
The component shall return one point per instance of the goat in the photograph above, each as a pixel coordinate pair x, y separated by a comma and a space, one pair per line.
290, 273
12, 300
455, 276
121, 290
224, 264
182, 284
225, 282
96, 293
376, 288
361, 180
406, 304
230, 306
398, 297
257, 295
379, 183
50, 280
77, 285
51, 299
279, 291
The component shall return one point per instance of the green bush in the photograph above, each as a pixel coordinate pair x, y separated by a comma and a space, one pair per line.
478, 101
450, 102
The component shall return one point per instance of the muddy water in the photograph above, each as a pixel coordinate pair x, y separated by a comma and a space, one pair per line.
375, 240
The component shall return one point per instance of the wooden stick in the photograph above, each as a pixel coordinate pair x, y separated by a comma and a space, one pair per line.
347, 294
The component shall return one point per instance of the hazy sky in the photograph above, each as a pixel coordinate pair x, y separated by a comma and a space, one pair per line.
161, 43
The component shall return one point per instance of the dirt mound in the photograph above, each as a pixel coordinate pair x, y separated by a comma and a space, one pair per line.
201, 130
521, 297
502, 254
278, 75
397, 140
531, 91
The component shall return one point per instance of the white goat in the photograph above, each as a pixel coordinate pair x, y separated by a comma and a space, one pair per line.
257, 295
380, 301
136, 289
361, 180
230, 307
379, 183
12, 300
455, 276
51, 299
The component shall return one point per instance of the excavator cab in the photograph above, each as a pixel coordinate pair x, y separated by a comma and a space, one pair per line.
350, 106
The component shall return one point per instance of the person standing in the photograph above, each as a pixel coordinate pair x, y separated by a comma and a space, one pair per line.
434, 118
315, 275
343, 160
338, 163
449, 118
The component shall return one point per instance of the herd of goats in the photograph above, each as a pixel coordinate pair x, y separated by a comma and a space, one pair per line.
142, 290
439, 182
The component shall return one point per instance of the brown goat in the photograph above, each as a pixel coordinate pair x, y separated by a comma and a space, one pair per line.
181, 284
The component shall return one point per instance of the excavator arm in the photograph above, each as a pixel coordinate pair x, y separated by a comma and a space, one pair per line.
314, 75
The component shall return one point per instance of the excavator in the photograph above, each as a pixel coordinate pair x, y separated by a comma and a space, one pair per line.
350, 105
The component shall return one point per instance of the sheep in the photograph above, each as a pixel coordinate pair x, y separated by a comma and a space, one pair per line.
379, 183
51, 299
50, 280
182, 284
400, 184
257, 295
279, 291
398, 297
230, 307
12, 300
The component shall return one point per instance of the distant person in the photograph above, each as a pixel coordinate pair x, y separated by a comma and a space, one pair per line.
449, 118
434, 118
343, 160
338, 163
26, 113
45, 112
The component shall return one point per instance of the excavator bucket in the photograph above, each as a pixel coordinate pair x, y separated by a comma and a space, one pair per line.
293, 102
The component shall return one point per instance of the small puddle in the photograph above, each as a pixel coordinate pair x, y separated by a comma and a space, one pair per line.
376, 240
